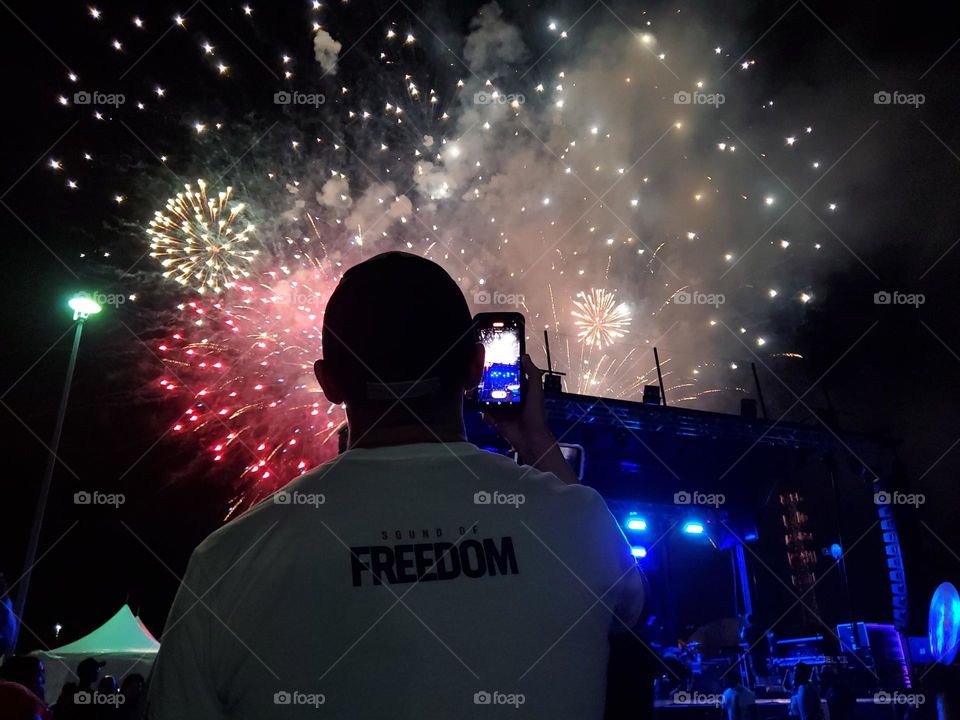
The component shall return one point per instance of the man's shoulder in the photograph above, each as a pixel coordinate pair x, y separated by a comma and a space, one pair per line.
254, 525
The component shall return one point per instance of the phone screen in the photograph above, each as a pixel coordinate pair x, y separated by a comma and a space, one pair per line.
501, 382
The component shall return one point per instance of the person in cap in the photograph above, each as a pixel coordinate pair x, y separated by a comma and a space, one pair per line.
76, 698
414, 575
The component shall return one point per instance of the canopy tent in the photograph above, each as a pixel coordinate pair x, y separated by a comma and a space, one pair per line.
122, 642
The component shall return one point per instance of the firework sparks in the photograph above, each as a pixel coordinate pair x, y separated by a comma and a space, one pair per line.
202, 240
600, 319
245, 364
397, 153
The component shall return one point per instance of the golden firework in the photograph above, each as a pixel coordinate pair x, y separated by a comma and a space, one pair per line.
202, 239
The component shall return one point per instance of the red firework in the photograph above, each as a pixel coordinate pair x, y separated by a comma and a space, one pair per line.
244, 363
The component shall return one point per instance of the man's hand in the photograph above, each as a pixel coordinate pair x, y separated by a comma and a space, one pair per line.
528, 432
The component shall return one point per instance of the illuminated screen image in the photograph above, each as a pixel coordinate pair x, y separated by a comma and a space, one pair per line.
501, 367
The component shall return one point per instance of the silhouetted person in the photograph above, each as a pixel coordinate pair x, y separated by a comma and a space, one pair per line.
839, 693
133, 691
414, 576
107, 699
75, 701
805, 701
22, 689
739, 703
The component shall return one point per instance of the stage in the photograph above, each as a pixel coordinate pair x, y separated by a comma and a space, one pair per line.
775, 709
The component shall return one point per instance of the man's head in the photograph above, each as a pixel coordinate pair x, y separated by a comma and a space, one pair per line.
27, 671
88, 671
398, 326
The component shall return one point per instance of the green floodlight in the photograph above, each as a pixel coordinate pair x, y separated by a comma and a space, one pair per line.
83, 305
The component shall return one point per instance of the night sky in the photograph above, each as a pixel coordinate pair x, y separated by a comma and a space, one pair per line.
889, 370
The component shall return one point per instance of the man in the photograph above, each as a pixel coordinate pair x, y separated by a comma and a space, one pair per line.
739, 703
76, 698
805, 701
414, 576
22, 681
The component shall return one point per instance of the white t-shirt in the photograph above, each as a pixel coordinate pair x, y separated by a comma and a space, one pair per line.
309, 605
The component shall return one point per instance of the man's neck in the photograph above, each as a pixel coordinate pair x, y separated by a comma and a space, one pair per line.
367, 436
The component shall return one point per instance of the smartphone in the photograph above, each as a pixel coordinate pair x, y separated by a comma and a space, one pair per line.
503, 385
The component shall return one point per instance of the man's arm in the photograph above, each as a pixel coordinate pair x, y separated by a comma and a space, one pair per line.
529, 433
181, 686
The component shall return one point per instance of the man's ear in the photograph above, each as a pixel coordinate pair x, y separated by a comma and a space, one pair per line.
328, 383
475, 373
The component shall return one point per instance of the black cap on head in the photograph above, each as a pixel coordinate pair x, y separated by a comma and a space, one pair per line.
396, 325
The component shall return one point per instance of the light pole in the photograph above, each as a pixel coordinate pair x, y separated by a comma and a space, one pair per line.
83, 306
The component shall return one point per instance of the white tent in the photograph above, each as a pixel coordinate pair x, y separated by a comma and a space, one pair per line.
122, 642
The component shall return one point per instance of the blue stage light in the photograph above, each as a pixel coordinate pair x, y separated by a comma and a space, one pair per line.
693, 528
636, 524
638, 551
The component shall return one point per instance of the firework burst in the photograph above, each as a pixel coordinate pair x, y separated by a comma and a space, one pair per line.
600, 320
202, 240
243, 362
